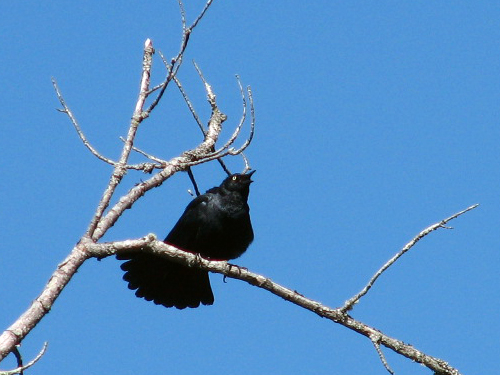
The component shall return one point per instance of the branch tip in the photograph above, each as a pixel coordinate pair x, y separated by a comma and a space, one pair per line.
349, 304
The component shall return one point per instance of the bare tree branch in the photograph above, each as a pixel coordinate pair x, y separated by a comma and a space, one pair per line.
120, 170
43, 303
146, 167
375, 341
218, 155
174, 165
352, 301
252, 124
177, 60
247, 163
160, 162
68, 112
237, 130
100, 223
149, 243
191, 108
20, 369
340, 316
226, 149
200, 16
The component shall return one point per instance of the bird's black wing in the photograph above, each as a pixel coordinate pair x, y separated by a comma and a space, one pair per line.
185, 232
165, 282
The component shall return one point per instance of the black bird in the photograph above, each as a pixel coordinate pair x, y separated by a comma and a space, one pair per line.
215, 225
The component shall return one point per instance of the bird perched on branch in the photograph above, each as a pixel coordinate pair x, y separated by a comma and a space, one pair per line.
215, 225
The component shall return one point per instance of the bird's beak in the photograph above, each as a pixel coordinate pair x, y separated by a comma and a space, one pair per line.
249, 175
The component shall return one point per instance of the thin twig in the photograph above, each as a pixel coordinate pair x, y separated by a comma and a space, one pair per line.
183, 15
352, 301
19, 359
79, 131
242, 119
161, 162
176, 62
247, 163
252, 115
208, 88
193, 112
20, 369
252, 126
198, 19
221, 152
184, 95
189, 104
216, 117
374, 340
225, 149
174, 165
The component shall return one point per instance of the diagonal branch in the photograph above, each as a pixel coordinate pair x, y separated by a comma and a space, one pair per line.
172, 166
43, 303
120, 168
176, 62
151, 245
352, 301
100, 222
375, 342
160, 162
191, 108
86, 249
69, 113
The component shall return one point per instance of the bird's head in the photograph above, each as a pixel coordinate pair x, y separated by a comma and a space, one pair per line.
238, 182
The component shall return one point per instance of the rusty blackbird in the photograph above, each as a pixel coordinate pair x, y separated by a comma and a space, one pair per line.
215, 225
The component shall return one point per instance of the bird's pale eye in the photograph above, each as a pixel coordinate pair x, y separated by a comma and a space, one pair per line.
235, 178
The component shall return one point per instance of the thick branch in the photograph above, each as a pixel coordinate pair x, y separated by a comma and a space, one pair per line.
42, 305
174, 165
120, 169
151, 245
87, 249
100, 223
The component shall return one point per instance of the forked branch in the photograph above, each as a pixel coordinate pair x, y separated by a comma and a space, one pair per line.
101, 222
338, 315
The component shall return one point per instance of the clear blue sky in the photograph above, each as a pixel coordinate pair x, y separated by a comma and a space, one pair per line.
375, 120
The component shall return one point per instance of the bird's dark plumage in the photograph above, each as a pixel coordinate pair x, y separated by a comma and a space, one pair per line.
215, 225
